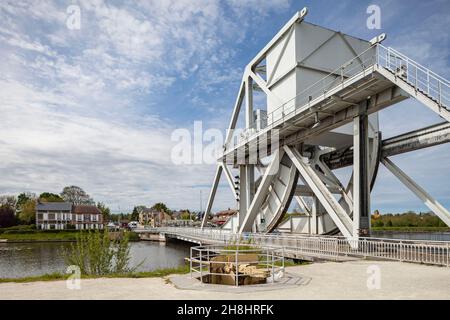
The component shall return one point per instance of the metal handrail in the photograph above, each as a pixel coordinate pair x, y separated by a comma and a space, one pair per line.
202, 258
321, 87
426, 251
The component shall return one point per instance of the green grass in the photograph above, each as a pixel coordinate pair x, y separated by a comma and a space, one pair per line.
143, 274
48, 235
292, 263
40, 236
412, 229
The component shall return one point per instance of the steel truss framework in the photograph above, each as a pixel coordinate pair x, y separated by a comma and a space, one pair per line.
386, 78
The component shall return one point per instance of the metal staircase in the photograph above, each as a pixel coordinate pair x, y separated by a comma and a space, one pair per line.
419, 82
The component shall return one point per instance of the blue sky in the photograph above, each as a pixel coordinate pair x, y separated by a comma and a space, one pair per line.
95, 107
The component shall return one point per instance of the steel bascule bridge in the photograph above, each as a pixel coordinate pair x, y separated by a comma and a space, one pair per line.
323, 91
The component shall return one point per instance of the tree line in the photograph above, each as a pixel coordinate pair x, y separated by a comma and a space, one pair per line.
407, 219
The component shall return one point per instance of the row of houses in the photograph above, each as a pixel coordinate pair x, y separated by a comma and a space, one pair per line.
152, 217
64, 215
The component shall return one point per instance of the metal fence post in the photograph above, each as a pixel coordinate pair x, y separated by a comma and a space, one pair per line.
448, 254
273, 269
236, 266
201, 266
190, 263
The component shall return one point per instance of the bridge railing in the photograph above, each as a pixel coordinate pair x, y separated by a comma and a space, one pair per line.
416, 251
421, 78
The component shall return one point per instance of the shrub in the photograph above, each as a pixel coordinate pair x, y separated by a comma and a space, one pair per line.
133, 236
95, 254
25, 231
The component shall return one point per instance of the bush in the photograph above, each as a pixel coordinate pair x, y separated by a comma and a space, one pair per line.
25, 231
133, 236
95, 254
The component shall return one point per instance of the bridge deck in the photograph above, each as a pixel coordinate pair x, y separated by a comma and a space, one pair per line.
321, 247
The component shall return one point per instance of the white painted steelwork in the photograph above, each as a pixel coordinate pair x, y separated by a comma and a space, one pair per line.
322, 247
323, 91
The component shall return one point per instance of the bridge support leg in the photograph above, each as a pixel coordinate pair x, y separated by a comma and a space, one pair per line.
212, 194
314, 210
427, 199
361, 184
247, 191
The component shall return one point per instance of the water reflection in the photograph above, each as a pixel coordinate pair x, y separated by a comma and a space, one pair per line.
31, 259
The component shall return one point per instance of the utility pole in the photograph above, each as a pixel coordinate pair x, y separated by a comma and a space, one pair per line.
201, 207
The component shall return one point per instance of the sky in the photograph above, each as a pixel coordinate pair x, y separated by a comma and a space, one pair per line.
95, 106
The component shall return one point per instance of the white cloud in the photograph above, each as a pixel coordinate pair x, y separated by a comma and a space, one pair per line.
71, 100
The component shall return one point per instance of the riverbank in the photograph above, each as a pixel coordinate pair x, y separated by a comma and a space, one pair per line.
329, 280
412, 229
59, 276
48, 236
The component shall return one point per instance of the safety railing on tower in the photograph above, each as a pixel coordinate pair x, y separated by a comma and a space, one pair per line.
421, 78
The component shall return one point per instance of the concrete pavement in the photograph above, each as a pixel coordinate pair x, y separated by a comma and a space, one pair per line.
329, 280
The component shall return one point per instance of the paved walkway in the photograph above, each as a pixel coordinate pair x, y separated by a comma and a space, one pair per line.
329, 280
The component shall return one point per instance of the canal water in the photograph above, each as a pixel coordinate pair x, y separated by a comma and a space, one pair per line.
432, 236
38, 258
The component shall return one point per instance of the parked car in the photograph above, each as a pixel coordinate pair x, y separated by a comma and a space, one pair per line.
112, 226
133, 224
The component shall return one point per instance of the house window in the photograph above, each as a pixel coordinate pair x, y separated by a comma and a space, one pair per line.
51, 216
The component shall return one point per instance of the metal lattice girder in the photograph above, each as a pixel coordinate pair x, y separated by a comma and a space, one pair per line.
427, 199
212, 193
261, 193
326, 198
303, 204
418, 139
230, 180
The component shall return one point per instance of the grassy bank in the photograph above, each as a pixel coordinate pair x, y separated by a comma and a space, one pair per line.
412, 229
46, 235
40, 236
143, 274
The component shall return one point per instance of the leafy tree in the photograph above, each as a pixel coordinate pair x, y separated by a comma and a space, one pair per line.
378, 223
185, 216
76, 195
8, 200
135, 213
27, 212
160, 207
24, 197
7, 216
105, 211
50, 197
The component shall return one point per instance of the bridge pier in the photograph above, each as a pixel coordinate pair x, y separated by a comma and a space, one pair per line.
361, 181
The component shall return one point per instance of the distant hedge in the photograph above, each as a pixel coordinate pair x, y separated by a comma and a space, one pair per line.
31, 231
28, 227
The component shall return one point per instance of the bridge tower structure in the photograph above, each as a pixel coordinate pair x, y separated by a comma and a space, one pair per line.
323, 90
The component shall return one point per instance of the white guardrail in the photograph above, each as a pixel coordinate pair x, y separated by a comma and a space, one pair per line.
416, 75
332, 247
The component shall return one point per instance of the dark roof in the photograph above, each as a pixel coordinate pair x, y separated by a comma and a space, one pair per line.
54, 206
86, 209
229, 212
